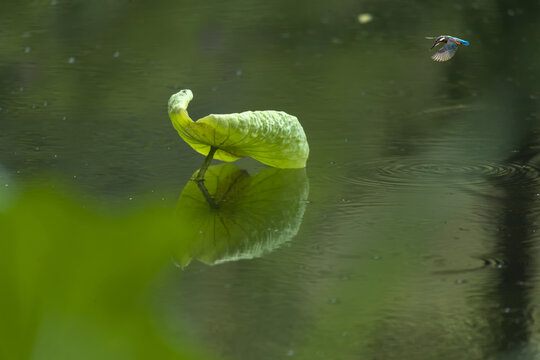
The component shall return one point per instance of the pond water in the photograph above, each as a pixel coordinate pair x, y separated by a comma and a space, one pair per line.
411, 234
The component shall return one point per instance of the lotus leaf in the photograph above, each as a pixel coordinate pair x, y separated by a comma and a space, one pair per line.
274, 138
248, 215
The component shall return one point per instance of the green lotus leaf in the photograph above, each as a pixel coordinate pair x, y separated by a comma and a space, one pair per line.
274, 138
234, 215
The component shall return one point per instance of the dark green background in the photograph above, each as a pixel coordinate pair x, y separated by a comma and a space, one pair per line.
418, 238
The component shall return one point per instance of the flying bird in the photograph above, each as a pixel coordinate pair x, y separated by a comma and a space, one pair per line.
446, 52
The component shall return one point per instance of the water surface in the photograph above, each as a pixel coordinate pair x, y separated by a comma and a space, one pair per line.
412, 233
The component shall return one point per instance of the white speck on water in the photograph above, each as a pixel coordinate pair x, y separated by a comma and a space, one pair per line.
460, 281
276, 230
6, 185
507, 310
130, 198
201, 232
163, 199
239, 72
27, 50
116, 54
227, 286
34, 106
345, 333
36, 148
168, 148
55, 156
21, 89
74, 176
334, 300
71, 60
54, 2
511, 12
376, 257
290, 352
64, 118
26, 34
45, 104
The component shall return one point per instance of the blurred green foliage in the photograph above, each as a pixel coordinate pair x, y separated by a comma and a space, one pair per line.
75, 284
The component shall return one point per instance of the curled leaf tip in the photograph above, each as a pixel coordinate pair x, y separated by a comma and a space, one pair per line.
274, 138
180, 100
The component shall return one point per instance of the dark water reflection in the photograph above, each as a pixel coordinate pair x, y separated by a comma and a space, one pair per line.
418, 238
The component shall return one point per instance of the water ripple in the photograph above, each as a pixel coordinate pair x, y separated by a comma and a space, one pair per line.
403, 172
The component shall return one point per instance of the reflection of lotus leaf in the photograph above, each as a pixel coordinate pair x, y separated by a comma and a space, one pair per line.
250, 215
274, 138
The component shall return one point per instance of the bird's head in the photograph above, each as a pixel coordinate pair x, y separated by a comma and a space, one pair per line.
438, 40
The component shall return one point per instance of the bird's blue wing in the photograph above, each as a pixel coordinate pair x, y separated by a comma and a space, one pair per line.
463, 42
446, 52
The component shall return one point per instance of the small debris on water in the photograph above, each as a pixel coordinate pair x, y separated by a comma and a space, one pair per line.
364, 18
290, 352
71, 60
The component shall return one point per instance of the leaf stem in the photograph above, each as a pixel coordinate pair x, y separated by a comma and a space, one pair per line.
207, 196
206, 163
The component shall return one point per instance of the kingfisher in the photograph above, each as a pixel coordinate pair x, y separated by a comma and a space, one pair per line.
447, 51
